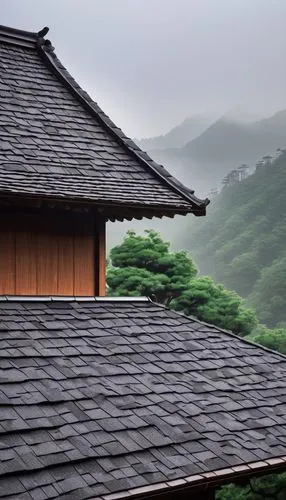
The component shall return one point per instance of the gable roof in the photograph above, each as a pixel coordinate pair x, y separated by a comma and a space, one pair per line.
123, 398
56, 143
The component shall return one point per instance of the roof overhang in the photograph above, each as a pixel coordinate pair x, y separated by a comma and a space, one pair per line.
108, 210
184, 199
199, 483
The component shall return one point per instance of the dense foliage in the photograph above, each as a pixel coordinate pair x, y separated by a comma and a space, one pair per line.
268, 294
213, 303
242, 242
271, 487
273, 339
144, 265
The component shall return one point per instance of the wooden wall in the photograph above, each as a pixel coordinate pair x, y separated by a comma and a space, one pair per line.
44, 254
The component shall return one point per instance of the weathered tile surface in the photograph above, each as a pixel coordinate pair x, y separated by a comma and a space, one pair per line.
53, 145
101, 397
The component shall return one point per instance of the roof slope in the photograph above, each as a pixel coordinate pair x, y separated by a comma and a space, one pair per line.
56, 142
102, 397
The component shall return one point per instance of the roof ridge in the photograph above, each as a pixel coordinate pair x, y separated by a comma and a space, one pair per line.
70, 298
227, 332
46, 56
21, 37
47, 52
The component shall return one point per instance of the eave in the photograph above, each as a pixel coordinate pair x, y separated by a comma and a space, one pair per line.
45, 50
199, 483
109, 211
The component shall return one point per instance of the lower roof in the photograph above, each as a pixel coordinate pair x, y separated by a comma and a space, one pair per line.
119, 397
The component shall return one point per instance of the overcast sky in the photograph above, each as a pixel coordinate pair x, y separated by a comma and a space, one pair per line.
151, 63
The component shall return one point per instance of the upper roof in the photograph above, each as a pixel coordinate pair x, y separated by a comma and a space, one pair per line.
106, 396
56, 142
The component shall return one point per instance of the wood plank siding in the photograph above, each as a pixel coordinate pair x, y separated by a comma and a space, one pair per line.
100, 257
43, 254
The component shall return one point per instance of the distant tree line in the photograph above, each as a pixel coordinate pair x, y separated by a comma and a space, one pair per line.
242, 242
243, 171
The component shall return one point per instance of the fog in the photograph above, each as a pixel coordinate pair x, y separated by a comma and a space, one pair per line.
151, 63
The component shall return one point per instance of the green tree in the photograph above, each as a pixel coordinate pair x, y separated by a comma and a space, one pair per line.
273, 339
233, 492
269, 293
241, 242
213, 303
144, 265
245, 269
270, 487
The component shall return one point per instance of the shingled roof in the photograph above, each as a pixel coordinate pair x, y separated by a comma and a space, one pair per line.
115, 399
56, 143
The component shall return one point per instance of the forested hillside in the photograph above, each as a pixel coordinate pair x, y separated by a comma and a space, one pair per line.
242, 241
225, 144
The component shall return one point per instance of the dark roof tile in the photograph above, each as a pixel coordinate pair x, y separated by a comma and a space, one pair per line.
51, 128
101, 421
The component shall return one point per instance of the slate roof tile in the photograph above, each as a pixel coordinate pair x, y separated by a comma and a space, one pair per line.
50, 128
121, 424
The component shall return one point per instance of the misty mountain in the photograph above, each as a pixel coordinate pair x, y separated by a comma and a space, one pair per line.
203, 162
233, 141
242, 241
273, 127
223, 141
178, 136
224, 145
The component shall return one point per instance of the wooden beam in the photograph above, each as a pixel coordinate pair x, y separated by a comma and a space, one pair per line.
100, 257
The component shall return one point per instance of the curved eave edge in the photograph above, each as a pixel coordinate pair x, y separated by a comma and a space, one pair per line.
36, 40
112, 211
204, 481
48, 55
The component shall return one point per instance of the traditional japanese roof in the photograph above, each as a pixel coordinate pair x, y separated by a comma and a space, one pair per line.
107, 397
56, 143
